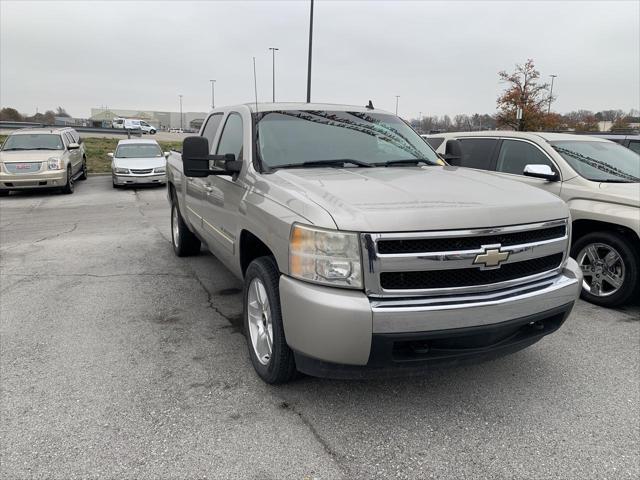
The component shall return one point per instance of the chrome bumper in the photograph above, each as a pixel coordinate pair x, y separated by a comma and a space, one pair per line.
336, 325
139, 179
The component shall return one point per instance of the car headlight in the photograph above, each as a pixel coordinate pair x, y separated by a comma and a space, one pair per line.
55, 163
121, 170
159, 170
323, 256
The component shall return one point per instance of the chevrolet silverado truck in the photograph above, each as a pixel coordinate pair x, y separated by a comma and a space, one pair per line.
361, 253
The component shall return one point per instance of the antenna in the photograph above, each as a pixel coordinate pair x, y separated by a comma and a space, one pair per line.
255, 83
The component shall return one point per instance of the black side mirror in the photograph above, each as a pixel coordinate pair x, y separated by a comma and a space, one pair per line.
197, 162
453, 150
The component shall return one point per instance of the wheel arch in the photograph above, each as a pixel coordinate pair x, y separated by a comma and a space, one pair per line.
252, 247
581, 227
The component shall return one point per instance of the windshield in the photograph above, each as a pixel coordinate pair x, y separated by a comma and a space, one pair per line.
138, 150
35, 141
294, 137
600, 161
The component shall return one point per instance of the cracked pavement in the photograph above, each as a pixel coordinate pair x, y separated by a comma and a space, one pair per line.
119, 360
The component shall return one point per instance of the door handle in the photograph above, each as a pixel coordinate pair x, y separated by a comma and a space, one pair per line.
208, 188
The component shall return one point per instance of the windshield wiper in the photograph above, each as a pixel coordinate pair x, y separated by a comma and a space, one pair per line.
612, 180
325, 163
14, 148
408, 161
44, 148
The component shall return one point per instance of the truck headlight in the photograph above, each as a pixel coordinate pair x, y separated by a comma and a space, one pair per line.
55, 163
122, 170
159, 170
323, 256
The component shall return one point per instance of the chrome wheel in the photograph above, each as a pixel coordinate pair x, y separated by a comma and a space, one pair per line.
260, 321
603, 269
175, 226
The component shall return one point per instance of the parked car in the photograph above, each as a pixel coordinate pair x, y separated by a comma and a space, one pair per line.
629, 140
360, 254
134, 124
138, 161
596, 177
33, 158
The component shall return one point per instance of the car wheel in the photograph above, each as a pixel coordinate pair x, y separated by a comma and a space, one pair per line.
184, 242
609, 264
69, 186
83, 175
152, 132
270, 355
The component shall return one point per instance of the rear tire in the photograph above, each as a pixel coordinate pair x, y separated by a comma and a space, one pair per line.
185, 243
262, 318
69, 187
607, 258
83, 175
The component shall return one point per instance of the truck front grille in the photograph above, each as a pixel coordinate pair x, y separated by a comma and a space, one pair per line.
466, 277
468, 243
462, 261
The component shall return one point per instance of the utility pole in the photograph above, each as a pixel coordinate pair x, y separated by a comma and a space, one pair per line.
397, 97
213, 94
310, 49
551, 94
273, 67
180, 111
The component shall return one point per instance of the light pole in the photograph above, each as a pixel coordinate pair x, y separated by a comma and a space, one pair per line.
310, 48
213, 94
397, 97
551, 94
273, 66
180, 111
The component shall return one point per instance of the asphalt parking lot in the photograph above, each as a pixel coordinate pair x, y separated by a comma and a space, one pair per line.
120, 360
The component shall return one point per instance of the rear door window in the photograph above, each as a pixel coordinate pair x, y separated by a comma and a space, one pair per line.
476, 153
435, 142
515, 155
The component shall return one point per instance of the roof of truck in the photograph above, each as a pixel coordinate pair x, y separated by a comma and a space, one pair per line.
268, 107
30, 131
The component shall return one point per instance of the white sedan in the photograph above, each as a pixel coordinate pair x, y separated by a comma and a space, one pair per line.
138, 161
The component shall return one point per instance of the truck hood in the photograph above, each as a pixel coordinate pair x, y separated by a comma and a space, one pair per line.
23, 156
140, 163
395, 199
623, 193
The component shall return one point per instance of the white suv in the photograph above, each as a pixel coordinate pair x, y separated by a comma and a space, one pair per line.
599, 180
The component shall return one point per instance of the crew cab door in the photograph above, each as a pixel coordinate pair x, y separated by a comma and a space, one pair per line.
195, 186
222, 194
515, 154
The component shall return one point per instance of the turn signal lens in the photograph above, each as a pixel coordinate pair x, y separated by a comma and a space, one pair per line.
323, 256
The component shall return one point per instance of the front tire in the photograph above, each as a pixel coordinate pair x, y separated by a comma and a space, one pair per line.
69, 187
270, 355
609, 263
185, 243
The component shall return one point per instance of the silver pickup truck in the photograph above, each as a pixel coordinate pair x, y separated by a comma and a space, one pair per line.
361, 253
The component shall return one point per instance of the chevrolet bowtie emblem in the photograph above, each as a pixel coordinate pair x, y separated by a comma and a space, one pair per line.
491, 257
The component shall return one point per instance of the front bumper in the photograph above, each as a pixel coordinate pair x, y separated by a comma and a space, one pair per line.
157, 178
343, 333
46, 179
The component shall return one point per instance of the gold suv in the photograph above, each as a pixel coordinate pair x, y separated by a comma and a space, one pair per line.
42, 158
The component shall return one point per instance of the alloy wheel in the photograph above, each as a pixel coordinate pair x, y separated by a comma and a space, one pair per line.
260, 321
603, 269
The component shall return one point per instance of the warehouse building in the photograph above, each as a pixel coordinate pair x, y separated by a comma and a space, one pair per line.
102, 117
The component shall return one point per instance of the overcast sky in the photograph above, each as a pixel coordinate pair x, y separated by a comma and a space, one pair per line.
440, 57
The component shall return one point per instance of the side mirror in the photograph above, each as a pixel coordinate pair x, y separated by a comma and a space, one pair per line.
197, 162
73, 146
110, 154
453, 150
540, 171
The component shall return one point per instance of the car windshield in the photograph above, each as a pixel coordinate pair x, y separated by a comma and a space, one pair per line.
600, 161
33, 141
294, 137
138, 150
